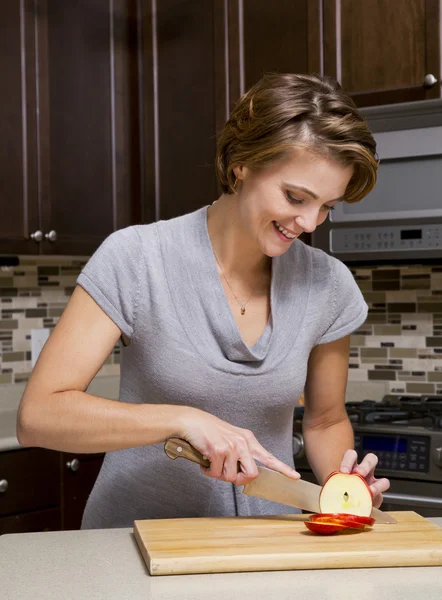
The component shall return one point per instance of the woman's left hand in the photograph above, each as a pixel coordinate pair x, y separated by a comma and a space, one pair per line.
349, 464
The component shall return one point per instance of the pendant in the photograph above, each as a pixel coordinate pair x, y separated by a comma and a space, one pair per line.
243, 309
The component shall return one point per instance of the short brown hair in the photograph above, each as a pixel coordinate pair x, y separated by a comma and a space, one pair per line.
285, 112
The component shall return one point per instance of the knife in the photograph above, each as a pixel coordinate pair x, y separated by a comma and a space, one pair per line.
269, 485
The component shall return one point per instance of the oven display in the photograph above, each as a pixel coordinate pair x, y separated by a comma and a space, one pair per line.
374, 443
395, 452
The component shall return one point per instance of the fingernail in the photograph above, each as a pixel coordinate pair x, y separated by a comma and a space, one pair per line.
345, 470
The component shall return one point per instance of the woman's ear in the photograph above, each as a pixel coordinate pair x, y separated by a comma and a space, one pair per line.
239, 171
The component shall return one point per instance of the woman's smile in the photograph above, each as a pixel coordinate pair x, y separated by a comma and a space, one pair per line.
286, 235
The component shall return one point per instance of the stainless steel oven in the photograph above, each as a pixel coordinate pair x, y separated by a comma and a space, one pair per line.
401, 218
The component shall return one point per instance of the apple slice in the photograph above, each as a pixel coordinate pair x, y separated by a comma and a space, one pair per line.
346, 493
324, 528
344, 518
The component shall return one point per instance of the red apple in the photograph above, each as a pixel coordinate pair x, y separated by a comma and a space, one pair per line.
324, 528
346, 493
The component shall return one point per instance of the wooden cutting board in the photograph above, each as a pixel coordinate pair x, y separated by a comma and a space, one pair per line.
282, 542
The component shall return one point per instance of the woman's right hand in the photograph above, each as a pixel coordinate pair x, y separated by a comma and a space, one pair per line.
225, 445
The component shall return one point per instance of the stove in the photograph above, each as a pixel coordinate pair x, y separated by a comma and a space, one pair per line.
405, 433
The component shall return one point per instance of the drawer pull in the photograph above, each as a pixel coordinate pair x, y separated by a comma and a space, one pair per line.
73, 465
3, 485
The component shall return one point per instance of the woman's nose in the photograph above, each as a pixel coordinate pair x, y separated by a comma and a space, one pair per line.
308, 221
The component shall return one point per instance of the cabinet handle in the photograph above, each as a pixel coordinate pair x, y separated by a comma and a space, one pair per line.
51, 236
429, 80
37, 236
3, 485
73, 465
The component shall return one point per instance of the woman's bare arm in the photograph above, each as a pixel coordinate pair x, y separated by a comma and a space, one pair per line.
55, 411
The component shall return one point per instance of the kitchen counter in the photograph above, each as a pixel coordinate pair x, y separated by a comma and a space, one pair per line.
106, 565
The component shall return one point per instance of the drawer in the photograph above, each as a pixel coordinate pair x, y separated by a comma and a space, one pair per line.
30, 479
48, 519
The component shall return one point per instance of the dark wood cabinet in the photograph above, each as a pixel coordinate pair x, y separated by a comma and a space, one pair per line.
38, 520
109, 110
71, 165
18, 129
44, 490
198, 58
384, 52
79, 472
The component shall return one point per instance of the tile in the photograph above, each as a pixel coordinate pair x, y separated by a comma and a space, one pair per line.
6, 282
429, 307
357, 340
374, 352
402, 307
386, 285
384, 375
364, 286
375, 319
375, 297
420, 388
402, 296
50, 270
416, 284
386, 274
434, 376
402, 352
20, 377
35, 312
13, 356
387, 330
402, 341
8, 324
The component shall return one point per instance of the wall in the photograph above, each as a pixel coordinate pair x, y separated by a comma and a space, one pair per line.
397, 350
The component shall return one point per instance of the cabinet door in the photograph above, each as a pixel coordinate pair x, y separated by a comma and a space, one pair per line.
89, 137
79, 474
18, 129
383, 51
40, 520
281, 36
30, 480
183, 74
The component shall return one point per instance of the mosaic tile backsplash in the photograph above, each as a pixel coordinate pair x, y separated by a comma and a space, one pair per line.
33, 295
400, 343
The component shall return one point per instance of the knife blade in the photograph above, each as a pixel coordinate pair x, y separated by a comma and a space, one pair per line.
269, 485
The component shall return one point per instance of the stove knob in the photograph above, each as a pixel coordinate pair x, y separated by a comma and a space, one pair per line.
437, 456
298, 445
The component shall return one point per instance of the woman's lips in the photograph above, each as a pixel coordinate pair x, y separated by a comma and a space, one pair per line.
288, 236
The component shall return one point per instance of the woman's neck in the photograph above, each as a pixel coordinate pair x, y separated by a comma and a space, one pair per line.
238, 255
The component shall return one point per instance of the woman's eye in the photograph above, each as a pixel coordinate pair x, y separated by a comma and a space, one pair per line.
293, 200
329, 208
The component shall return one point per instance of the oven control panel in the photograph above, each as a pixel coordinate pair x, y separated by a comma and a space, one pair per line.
396, 452
395, 237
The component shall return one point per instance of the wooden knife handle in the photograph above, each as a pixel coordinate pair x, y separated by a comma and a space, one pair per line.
178, 448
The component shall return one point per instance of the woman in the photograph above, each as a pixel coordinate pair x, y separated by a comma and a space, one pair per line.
225, 318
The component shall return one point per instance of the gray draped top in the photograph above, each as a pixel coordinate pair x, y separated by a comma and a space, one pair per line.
160, 284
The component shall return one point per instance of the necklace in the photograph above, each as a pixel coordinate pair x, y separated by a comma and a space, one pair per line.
241, 304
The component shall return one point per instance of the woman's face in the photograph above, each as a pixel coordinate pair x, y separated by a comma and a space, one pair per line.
282, 201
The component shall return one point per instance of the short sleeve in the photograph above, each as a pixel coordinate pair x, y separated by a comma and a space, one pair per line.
349, 309
112, 277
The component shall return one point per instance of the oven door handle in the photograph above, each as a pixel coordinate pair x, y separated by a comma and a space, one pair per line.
407, 499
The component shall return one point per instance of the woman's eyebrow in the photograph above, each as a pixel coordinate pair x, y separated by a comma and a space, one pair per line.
301, 188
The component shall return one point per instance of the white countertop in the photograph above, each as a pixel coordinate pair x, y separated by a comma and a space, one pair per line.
106, 565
